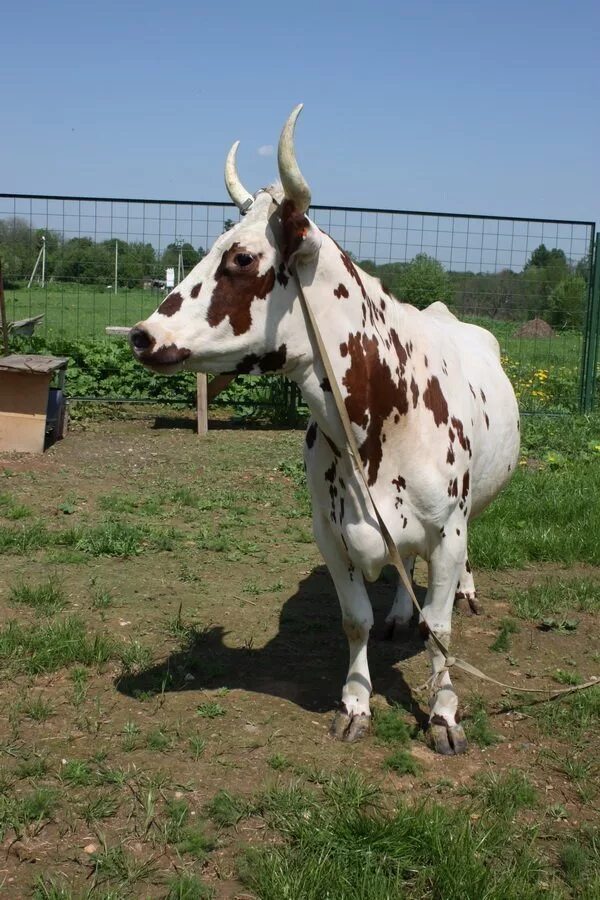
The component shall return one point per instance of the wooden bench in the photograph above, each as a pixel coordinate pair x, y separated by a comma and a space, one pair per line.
205, 391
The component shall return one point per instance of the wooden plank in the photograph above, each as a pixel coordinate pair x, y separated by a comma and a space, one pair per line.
202, 404
32, 364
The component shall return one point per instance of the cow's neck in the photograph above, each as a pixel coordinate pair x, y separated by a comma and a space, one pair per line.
361, 326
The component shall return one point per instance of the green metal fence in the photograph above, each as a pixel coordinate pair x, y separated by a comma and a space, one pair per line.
88, 262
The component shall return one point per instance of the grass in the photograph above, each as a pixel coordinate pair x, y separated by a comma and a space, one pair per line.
29, 811
47, 597
210, 710
227, 809
503, 795
569, 718
46, 648
402, 763
502, 642
186, 886
557, 596
477, 726
390, 728
358, 852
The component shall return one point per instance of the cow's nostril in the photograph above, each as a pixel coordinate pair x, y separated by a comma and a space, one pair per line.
140, 339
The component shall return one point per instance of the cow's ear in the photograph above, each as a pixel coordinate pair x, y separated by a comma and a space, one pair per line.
301, 238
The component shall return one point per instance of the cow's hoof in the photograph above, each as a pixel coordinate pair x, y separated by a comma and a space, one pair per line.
447, 739
394, 630
468, 604
350, 728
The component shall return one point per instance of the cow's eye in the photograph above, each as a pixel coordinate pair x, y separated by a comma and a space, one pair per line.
243, 259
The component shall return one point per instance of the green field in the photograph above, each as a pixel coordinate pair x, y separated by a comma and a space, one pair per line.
172, 653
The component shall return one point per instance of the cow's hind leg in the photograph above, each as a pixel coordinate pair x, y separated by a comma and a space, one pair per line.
398, 620
445, 566
353, 719
465, 598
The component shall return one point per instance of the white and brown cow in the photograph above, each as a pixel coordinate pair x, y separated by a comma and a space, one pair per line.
434, 414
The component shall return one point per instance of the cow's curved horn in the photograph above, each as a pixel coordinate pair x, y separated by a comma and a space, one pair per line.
236, 190
294, 186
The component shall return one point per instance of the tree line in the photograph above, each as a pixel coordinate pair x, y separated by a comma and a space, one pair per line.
549, 286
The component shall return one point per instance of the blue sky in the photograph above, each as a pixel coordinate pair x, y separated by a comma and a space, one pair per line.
479, 107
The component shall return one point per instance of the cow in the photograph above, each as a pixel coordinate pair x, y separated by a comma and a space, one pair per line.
434, 415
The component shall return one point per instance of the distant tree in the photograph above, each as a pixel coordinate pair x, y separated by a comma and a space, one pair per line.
542, 273
567, 302
423, 281
227, 225
190, 256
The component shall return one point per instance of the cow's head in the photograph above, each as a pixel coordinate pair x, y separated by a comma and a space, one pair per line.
238, 310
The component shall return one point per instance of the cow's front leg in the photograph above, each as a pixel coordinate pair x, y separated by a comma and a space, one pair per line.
353, 719
445, 566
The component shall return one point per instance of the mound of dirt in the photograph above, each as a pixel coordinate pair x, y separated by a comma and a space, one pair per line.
535, 328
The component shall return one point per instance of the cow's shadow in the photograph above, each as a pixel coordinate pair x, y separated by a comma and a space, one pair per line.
305, 663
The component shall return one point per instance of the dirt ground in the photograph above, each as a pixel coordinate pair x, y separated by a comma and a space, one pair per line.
268, 660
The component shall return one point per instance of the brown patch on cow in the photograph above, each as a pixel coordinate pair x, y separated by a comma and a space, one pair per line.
453, 487
325, 384
196, 290
463, 439
373, 395
465, 485
311, 435
165, 355
472, 391
426, 361
282, 277
468, 566
330, 472
171, 304
295, 226
273, 361
382, 304
458, 531
450, 457
235, 291
399, 482
400, 351
434, 400
487, 421
353, 272
415, 391
482, 395
341, 291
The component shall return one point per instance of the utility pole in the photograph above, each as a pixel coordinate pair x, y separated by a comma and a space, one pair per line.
180, 269
116, 264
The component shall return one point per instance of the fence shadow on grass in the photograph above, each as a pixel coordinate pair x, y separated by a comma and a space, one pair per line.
305, 663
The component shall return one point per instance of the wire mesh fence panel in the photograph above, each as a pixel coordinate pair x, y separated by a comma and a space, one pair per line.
86, 263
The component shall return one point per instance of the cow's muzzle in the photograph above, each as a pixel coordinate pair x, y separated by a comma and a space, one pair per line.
163, 358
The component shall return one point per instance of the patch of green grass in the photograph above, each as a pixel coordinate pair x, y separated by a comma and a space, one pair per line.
477, 726
364, 853
562, 676
47, 597
503, 795
227, 809
402, 763
76, 772
115, 865
580, 863
541, 516
27, 811
210, 710
37, 708
186, 886
135, 657
46, 648
557, 597
571, 717
390, 727
158, 741
187, 838
197, 746
279, 762
34, 767
10, 509
103, 806
502, 642
24, 539
46, 888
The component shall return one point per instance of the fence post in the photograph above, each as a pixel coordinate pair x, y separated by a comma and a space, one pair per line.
591, 336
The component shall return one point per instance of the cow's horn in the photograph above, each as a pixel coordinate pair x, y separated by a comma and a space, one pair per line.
236, 190
294, 186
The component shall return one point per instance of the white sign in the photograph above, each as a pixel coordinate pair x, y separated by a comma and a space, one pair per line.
170, 278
